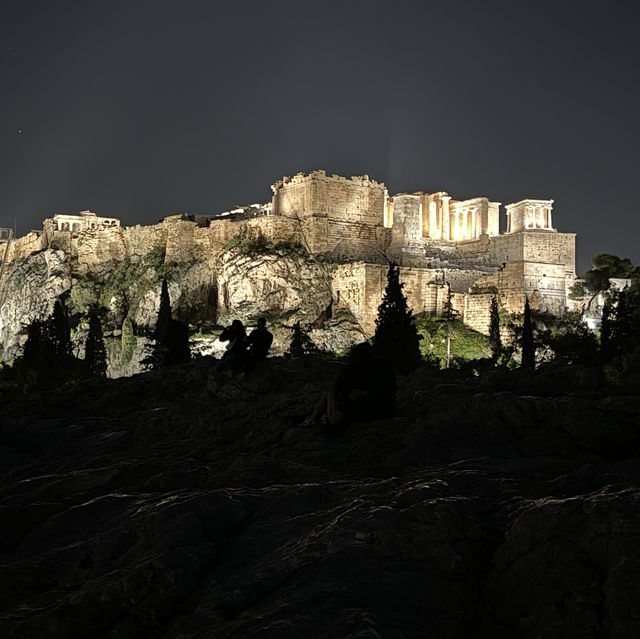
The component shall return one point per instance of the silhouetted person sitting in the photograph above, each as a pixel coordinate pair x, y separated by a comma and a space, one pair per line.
365, 390
236, 352
260, 341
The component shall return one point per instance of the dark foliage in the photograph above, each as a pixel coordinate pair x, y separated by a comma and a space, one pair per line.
178, 351
527, 343
171, 337
604, 267
301, 344
46, 360
396, 339
620, 334
61, 331
495, 343
95, 353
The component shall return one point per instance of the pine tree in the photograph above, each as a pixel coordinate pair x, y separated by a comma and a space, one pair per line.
495, 343
301, 344
396, 339
164, 315
95, 355
527, 345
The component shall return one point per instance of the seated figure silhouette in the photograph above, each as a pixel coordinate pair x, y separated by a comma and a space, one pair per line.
236, 352
259, 340
364, 390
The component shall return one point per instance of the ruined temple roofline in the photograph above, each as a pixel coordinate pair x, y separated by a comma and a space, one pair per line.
321, 174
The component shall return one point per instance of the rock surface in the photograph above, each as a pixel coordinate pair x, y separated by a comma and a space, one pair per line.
146, 507
286, 286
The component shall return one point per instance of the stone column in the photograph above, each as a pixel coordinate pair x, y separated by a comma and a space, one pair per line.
445, 218
549, 226
465, 225
474, 215
433, 222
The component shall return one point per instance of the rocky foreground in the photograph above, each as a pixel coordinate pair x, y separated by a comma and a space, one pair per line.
145, 507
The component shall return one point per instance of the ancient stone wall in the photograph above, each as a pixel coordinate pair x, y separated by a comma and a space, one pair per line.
477, 311
355, 199
360, 286
22, 247
348, 290
98, 245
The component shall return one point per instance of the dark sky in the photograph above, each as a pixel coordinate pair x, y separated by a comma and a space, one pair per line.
142, 109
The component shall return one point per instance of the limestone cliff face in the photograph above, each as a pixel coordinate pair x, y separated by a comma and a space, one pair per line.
274, 284
121, 271
30, 292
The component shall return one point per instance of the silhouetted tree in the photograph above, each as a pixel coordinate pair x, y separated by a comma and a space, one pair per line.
605, 266
495, 343
396, 339
178, 351
164, 315
61, 331
301, 344
605, 327
171, 337
527, 345
95, 354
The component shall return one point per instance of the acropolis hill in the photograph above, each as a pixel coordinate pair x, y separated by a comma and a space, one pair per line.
350, 228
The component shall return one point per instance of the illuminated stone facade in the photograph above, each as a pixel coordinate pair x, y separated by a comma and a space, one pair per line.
83, 221
441, 244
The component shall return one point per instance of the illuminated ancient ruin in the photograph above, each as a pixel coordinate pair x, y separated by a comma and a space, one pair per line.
443, 245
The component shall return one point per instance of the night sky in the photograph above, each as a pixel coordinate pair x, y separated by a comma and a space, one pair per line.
142, 109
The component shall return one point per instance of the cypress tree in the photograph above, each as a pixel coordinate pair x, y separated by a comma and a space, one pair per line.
495, 343
32, 352
396, 339
61, 331
178, 351
528, 348
606, 326
127, 340
164, 315
95, 355
171, 336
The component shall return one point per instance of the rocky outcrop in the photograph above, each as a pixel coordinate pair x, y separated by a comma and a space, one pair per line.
146, 507
29, 293
276, 284
121, 271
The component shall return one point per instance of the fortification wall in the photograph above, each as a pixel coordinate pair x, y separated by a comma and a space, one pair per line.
348, 290
360, 286
21, 247
140, 240
477, 311
93, 247
355, 199
547, 247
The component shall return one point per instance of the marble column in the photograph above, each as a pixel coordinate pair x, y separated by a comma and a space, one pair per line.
446, 233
